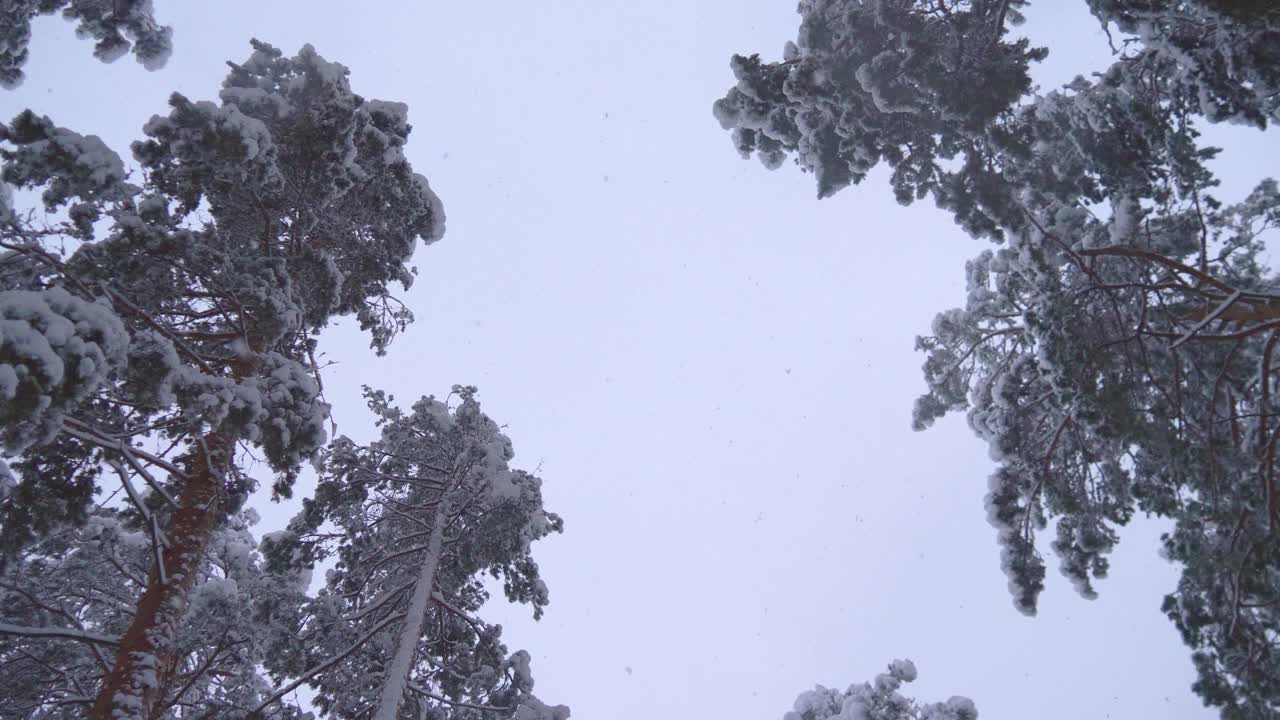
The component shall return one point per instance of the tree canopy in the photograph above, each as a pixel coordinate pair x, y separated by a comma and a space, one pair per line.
1116, 349
878, 700
415, 520
160, 325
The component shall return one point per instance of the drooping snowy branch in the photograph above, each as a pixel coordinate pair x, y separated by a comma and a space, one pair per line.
55, 632
116, 26
56, 350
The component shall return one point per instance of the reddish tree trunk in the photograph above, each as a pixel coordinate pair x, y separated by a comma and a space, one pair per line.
146, 655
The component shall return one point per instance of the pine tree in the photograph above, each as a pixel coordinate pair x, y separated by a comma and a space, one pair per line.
189, 331
415, 520
1116, 350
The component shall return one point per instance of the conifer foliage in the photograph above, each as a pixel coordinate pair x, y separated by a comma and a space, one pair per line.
1117, 349
116, 26
415, 521
878, 700
69, 597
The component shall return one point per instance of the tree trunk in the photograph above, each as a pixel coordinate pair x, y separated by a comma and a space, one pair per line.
147, 653
398, 675
146, 658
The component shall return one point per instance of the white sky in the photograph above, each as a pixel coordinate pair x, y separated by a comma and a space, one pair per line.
713, 369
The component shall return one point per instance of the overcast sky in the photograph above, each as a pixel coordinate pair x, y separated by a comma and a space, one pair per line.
713, 370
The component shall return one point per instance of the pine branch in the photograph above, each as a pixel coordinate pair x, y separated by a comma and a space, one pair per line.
56, 633
256, 714
426, 693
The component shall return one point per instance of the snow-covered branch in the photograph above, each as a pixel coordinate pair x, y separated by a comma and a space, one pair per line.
56, 633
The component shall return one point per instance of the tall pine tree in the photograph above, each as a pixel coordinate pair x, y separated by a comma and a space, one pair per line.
189, 330
415, 520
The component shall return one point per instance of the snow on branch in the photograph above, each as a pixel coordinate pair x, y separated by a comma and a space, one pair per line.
56, 633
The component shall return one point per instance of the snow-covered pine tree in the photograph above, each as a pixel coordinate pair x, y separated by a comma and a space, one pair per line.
415, 521
116, 26
878, 700
1117, 352
189, 331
